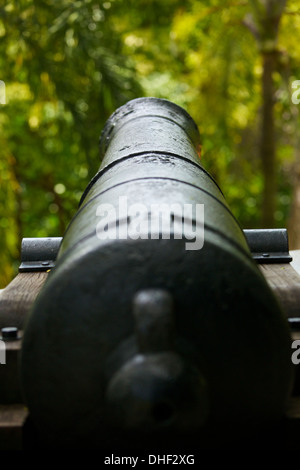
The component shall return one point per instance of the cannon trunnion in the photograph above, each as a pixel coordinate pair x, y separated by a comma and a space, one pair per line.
144, 328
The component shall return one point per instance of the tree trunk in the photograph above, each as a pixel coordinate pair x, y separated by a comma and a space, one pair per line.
267, 142
18, 205
263, 23
294, 219
294, 216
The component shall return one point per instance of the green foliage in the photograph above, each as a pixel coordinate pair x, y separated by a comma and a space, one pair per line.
67, 65
64, 74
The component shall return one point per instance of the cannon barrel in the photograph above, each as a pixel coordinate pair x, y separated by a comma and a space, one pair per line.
155, 319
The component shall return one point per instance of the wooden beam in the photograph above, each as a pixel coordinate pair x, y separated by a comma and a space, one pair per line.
12, 419
17, 298
285, 283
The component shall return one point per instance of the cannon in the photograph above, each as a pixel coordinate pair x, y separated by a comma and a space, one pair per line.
155, 322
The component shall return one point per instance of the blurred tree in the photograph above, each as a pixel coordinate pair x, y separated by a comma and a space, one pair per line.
64, 76
264, 22
67, 65
227, 63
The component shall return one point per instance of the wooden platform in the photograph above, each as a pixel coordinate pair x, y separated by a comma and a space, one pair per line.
16, 300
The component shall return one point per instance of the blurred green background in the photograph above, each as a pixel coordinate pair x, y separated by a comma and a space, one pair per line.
67, 65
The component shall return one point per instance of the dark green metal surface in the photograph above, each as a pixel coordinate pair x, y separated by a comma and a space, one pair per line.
90, 366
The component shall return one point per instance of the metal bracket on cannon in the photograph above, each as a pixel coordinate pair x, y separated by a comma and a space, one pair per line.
269, 245
39, 254
266, 245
